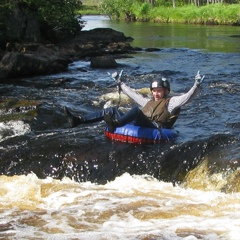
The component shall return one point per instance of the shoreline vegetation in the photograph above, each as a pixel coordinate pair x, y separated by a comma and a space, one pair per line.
48, 21
39, 37
211, 14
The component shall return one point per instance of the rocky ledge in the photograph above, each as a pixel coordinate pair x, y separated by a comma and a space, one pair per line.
100, 46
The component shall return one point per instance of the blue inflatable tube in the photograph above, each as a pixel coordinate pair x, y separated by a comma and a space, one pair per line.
141, 135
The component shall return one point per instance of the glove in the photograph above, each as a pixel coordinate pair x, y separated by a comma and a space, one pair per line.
199, 78
117, 78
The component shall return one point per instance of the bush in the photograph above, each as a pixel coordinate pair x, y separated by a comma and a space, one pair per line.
117, 9
56, 18
162, 11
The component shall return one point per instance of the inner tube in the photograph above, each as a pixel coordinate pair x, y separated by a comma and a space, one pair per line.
141, 135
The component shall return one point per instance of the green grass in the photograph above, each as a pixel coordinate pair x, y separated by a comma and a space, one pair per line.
221, 14
89, 10
215, 14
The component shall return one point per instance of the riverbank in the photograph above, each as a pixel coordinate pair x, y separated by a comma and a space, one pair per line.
32, 59
214, 14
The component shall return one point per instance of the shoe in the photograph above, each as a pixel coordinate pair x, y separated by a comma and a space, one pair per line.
111, 123
74, 121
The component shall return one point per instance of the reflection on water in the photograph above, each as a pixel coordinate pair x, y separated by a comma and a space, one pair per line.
162, 35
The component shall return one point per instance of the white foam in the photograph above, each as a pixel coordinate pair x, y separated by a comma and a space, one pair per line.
130, 207
13, 128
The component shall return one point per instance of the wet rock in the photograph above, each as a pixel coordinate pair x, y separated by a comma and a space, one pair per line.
103, 62
17, 109
31, 59
152, 49
103, 35
236, 36
96, 42
15, 65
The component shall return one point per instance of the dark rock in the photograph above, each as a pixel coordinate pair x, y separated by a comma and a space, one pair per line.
103, 35
96, 42
152, 49
2, 53
137, 49
31, 59
236, 36
15, 65
103, 62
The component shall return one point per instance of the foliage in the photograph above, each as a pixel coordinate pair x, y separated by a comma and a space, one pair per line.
142, 12
116, 9
56, 17
4, 14
145, 8
89, 10
58, 14
162, 11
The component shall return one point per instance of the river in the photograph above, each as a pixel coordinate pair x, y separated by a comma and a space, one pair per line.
59, 182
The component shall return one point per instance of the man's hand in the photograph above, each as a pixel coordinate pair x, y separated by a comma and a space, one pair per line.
117, 79
198, 78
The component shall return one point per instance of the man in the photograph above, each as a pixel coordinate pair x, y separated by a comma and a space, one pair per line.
161, 111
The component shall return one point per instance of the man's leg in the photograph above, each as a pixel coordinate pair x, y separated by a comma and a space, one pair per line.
99, 115
134, 116
92, 117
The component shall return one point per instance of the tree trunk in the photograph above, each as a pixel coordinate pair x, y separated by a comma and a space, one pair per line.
173, 3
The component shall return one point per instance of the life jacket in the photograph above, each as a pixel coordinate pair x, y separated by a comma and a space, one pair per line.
157, 111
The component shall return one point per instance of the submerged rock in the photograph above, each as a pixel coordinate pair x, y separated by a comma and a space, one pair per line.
103, 62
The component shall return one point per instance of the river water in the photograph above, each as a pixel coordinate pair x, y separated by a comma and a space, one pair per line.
73, 183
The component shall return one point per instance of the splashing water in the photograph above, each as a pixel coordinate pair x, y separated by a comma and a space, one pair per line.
130, 207
12, 129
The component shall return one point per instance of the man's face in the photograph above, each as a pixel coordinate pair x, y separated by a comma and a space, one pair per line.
159, 93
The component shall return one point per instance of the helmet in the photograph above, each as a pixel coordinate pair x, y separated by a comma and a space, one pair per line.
160, 82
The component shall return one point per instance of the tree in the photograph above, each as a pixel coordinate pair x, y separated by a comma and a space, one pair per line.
56, 18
